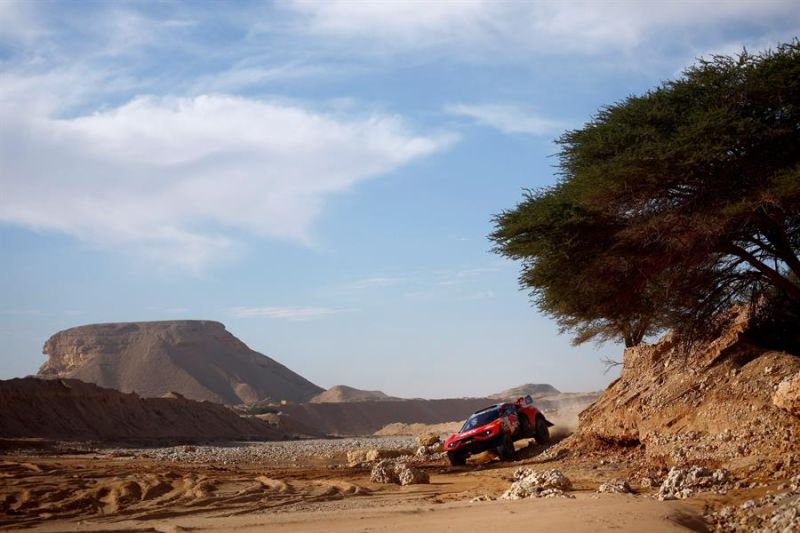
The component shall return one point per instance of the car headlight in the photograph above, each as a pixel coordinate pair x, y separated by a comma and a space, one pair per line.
451, 444
487, 432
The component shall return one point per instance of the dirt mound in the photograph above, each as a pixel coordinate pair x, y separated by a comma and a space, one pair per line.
343, 393
534, 389
72, 410
199, 359
711, 403
399, 428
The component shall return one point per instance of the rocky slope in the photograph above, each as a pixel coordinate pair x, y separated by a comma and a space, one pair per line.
73, 410
727, 401
343, 393
199, 359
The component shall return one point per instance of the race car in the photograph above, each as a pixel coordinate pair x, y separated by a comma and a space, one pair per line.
496, 428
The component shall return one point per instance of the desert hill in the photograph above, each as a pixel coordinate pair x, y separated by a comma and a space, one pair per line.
534, 389
199, 359
365, 418
343, 393
69, 409
726, 399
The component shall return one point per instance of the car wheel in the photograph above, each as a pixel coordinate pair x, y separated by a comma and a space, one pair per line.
524, 427
457, 459
506, 450
542, 434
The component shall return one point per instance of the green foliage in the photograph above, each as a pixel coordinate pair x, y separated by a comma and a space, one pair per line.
672, 206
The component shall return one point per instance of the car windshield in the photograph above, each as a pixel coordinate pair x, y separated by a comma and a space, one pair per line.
479, 419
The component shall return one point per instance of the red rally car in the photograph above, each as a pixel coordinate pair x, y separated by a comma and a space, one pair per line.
496, 428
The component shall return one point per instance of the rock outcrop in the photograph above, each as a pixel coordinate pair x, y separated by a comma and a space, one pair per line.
199, 359
713, 402
69, 409
787, 396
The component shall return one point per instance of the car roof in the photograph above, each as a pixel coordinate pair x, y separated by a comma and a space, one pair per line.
495, 406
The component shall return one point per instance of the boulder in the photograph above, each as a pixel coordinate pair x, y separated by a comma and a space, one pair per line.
384, 472
615, 486
387, 471
528, 483
787, 396
428, 439
377, 454
408, 475
681, 483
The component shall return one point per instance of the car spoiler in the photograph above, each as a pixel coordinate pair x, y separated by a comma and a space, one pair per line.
549, 424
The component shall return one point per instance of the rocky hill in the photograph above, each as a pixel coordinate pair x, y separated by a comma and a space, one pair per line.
199, 359
727, 400
343, 393
73, 410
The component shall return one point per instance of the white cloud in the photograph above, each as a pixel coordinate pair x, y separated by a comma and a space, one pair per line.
19, 22
373, 282
286, 313
175, 179
506, 118
463, 275
550, 27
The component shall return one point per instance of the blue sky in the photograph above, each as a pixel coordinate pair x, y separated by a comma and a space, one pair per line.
319, 176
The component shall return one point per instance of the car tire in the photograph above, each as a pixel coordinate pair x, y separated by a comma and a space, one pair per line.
506, 449
457, 459
542, 433
525, 430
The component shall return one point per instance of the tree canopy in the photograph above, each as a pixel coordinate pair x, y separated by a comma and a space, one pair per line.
671, 206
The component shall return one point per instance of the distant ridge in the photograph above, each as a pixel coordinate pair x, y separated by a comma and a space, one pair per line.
343, 394
534, 389
198, 359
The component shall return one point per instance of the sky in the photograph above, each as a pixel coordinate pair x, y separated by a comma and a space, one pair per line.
321, 177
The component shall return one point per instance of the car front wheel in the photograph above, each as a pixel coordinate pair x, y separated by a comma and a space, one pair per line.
457, 459
542, 435
506, 450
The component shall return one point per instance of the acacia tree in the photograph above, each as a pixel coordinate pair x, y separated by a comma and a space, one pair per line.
672, 205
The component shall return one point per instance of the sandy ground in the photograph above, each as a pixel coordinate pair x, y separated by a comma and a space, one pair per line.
111, 491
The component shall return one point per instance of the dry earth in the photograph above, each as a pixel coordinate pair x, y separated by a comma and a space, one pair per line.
252, 486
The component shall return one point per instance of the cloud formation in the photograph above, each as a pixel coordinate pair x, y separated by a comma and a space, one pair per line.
524, 28
176, 178
286, 313
507, 118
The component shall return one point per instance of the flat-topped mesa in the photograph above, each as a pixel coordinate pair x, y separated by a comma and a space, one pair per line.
71, 348
199, 359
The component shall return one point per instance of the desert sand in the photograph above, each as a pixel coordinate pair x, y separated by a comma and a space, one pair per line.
128, 490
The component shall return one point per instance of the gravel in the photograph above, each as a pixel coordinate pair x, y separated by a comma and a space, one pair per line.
285, 452
772, 513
